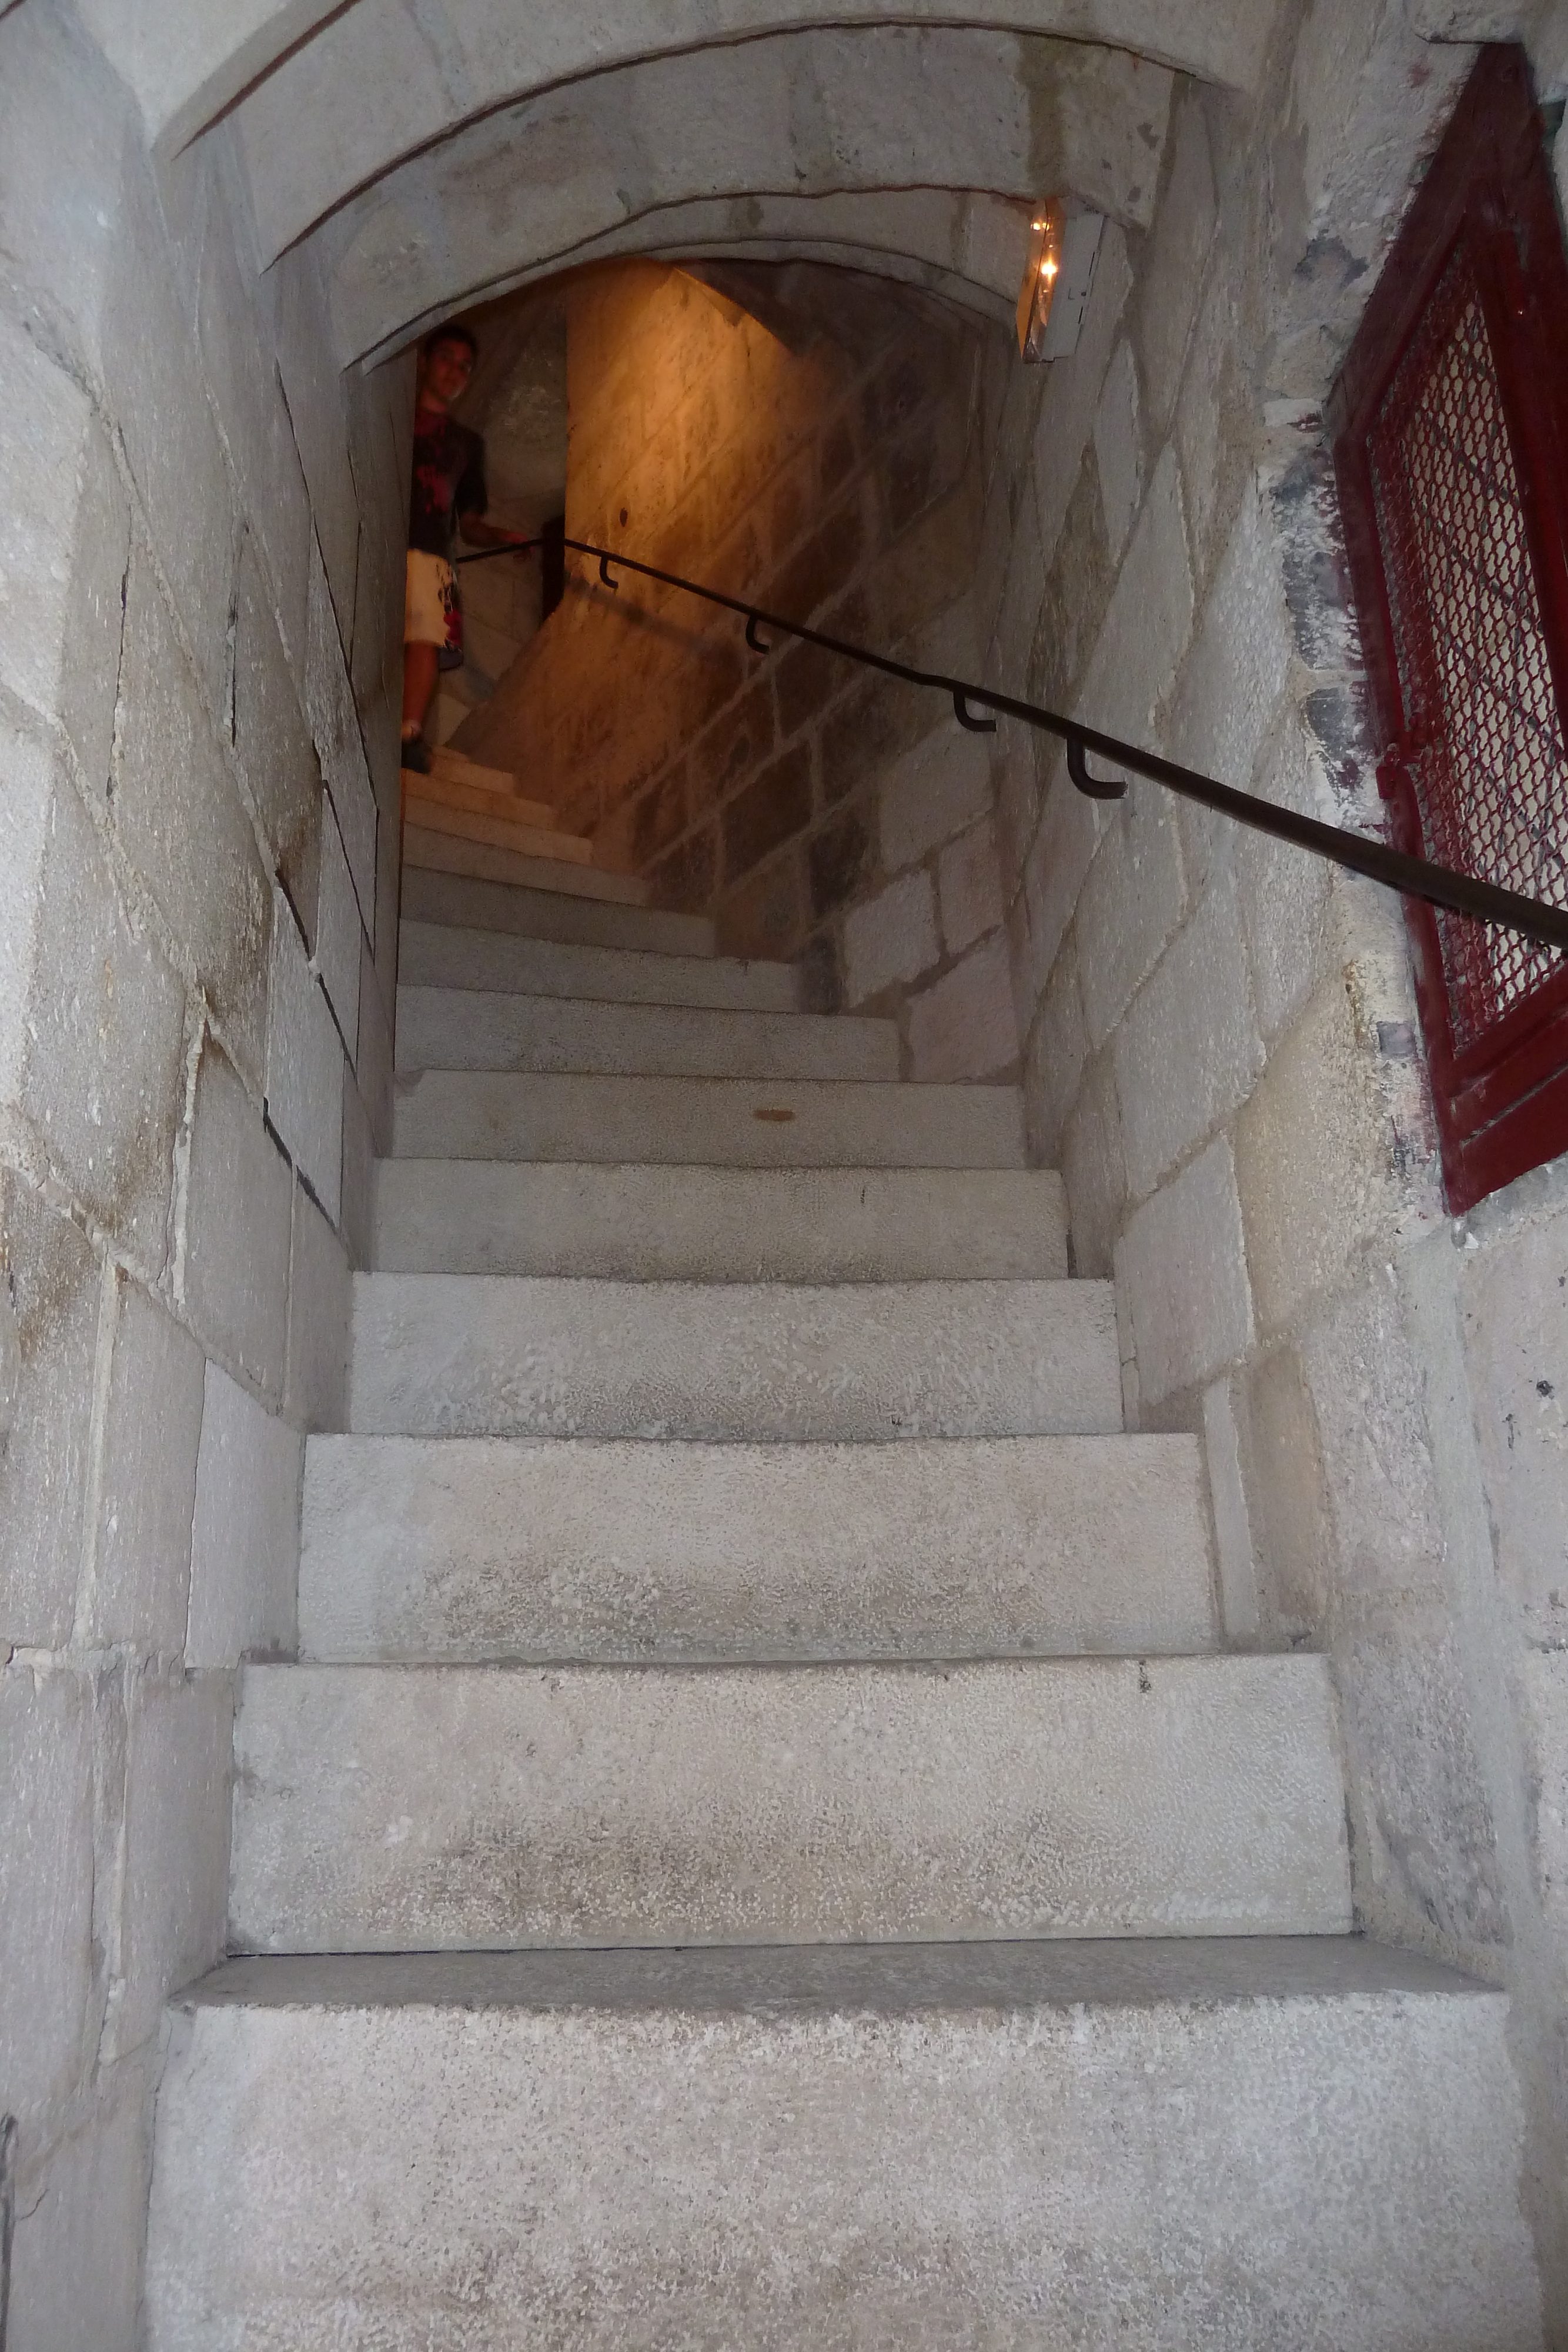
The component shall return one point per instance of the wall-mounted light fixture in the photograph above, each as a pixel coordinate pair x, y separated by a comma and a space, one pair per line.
1058, 280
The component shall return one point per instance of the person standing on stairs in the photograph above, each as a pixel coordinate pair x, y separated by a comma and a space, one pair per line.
449, 495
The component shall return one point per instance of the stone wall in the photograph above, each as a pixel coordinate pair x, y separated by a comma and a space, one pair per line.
1221, 1045
200, 578
826, 470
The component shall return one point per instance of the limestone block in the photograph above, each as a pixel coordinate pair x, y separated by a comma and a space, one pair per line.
1213, 404
174, 1889
253, 418
1118, 447
891, 937
964, 1026
303, 1067
1312, 1161
49, 1279
308, 363
82, 2211
49, 2019
1188, 1050
968, 888
1429, 1855
1364, 1378
1238, 667
245, 1541
932, 793
1543, 1687
459, 1355
1053, 875
437, 955
1182, 1268
376, 1056
316, 1394
1288, 1488
277, 757
157, 394
1285, 894
233, 1281
339, 938
139, 1587
96, 1062
183, 824
356, 1212
1053, 1065
1094, 1168
485, 1029
1174, 262
1515, 1307
27, 794
1148, 622
63, 540
1066, 420
1237, 1578
1133, 899
55, 91
335, 723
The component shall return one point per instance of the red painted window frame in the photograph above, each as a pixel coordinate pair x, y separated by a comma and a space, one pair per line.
1501, 1103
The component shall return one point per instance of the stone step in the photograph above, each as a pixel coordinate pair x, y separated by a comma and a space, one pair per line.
444, 853
640, 1223
438, 1355
483, 792
457, 1549
435, 813
715, 1122
470, 1029
981, 2148
448, 761
564, 917
429, 1808
433, 955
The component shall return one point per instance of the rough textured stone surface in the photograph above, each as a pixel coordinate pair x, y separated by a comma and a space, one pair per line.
964, 1026
812, 1804
316, 1389
932, 793
51, 1285
464, 1029
47, 1730
1183, 1266
141, 1578
968, 888
178, 1745
730, 1122
1351, 2107
304, 1068
233, 1276
452, 1355
892, 938
244, 1543
466, 902
1188, 1050
462, 1548
433, 955
719, 1224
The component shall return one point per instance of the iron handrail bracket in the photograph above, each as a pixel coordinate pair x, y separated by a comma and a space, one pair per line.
1415, 877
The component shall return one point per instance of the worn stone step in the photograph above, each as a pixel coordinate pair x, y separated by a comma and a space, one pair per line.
423, 845
978, 2148
469, 1029
465, 1549
640, 1223
716, 1122
435, 813
428, 1808
481, 1355
433, 955
509, 910
483, 792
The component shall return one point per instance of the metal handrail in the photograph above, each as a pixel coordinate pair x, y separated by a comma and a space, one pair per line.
1415, 877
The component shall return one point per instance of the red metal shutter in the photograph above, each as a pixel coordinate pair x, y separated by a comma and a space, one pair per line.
1449, 428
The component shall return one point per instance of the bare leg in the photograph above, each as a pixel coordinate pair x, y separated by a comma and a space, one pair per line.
420, 667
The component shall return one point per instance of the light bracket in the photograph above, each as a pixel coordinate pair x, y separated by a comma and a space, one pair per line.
1058, 279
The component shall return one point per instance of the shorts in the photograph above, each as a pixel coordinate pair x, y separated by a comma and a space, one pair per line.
433, 607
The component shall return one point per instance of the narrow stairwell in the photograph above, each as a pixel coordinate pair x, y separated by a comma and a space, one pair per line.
764, 1843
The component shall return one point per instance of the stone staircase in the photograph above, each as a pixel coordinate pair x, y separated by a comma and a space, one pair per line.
764, 1843
463, 818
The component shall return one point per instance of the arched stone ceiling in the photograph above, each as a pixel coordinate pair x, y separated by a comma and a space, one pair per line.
970, 249
378, 78
809, 115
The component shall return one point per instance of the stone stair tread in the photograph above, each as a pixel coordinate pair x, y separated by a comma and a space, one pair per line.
426, 846
513, 909
435, 955
439, 813
468, 1029
462, 1549
407, 1808
726, 1122
1261, 2142
634, 1222
500, 1355
483, 791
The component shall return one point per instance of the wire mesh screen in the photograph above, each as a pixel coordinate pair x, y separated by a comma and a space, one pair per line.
1490, 769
